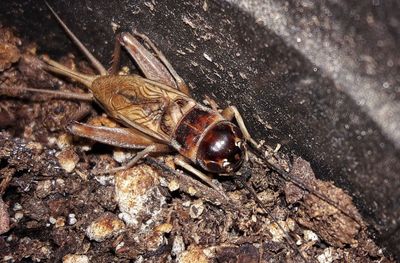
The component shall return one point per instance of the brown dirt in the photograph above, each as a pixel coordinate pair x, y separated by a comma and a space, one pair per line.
53, 207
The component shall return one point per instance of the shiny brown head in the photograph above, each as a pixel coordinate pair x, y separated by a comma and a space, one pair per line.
222, 149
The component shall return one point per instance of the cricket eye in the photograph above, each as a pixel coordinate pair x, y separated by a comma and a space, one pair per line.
222, 149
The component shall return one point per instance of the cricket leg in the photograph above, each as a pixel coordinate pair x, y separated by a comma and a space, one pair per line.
52, 93
83, 110
156, 69
55, 67
154, 148
96, 64
179, 160
232, 112
120, 137
151, 67
181, 85
212, 103
116, 56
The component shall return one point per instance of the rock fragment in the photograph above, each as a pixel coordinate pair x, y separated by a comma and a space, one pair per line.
194, 254
138, 196
107, 225
4, 217
196, 209
9, 52
74, 258
68, 159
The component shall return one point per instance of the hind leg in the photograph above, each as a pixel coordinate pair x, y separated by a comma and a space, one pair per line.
181, 85
152, 63
120, 137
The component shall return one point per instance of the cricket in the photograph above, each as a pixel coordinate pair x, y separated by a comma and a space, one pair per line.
158, 116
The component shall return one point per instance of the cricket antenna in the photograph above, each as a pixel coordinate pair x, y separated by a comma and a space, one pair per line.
240, 181
285, 175
96, 64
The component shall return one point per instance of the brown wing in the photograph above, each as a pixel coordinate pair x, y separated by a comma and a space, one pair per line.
145, 105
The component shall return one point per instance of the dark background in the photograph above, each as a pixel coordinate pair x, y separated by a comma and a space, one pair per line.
319, 78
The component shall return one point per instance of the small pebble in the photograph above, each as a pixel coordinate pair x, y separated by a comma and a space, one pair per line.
326, 257
196, 209
52, 220
178, 246
173, 185
310, 235
4, 217
138, 195
105, 180
71, 219
17, 206
186, 204
68, 159
277, 234
194, 254
35, 146
105, 226
64, 141
74, 258
122, 156
18, 216
192, 191
60, 222
43, 188
155, 239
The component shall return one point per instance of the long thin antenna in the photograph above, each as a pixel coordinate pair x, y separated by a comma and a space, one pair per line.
79, 44
299, 183
56, 67
53, 93
241, 181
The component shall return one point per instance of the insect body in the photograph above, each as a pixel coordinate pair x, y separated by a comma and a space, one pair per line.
158, 112
170, 117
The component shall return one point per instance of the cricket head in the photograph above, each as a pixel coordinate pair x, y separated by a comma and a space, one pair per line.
222, 149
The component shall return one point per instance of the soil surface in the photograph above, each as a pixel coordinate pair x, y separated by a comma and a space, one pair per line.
56, 205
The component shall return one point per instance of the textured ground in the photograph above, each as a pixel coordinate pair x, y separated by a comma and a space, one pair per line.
54, 207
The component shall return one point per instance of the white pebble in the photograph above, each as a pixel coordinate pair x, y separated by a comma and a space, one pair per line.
178, 246
18, 216
17, 206
326, 257
310, 235
71, 219
52, 220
